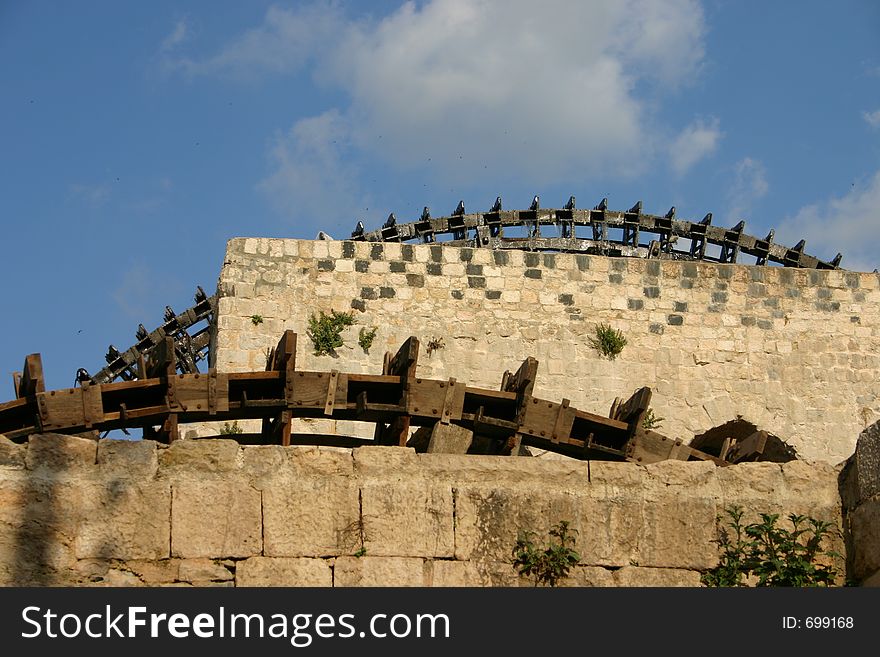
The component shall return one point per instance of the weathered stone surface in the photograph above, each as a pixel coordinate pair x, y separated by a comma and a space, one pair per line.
609, 530
377, 460
583, 576
311, 517
60, 453
637, 576
476, 468
411, 519
136, 457
872, 580
450, 573
379, 571
449, 439
162, 571
196, 571
123, 518
12, 455
865, 527
862, 476
215, 518
283, 571
215, 455
38, 521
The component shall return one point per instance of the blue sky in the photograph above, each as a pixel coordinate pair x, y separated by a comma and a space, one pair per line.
136, 138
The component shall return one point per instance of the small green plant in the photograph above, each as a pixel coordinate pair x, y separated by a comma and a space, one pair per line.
256, 320
325, 330
366, 337
767, 555
231, 429
434, 344
362, 552
550, 564
651, 421
608, 341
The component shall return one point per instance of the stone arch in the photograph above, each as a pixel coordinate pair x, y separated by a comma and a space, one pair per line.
712, 440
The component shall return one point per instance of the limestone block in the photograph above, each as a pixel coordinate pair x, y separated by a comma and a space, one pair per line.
450, 573
12, 455
862, 478
408, 518
259, 461
60, 453
124, 519
162, 571
678, 532
213, 455
449, 439
134, 457
638, 576
38, 520
283, 571
582, 576
215, 518
377, 460
203, 570
865, 529
380, 571
311, 517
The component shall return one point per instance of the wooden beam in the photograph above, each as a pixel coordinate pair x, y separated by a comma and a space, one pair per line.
31, 380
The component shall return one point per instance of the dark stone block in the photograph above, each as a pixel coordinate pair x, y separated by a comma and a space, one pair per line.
828, 306
652, 292
657, 329
792, 293
566, 299
771, 302
415, 280
719, 297
369, 293
688, 269
859, 297
635, 304
680, 307
326, 265
397, 267
852, 280
653, 269
715, 308
765, 324
466, 255
687, 283
361, 266
386, 292
823, 293
406, 252
725, 271
474, 270
855, 319
359, 304
616, 279
348, 250
493, 294
550, 260
583, 262
757, 274
786, 276
532, 273
757, 290
457, 294
748, 320
478, 282
619, 264
433, 269
532, 259
500, 257
818, 278
377, 252
675, 320
436, 254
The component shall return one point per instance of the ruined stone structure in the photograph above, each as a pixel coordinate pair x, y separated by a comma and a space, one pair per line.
792, 351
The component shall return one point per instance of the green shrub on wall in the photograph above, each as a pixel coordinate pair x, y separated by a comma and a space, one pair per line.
325, 330
550, 564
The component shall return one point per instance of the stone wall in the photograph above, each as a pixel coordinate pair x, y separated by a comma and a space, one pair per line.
793, 351
75, 511
861, 500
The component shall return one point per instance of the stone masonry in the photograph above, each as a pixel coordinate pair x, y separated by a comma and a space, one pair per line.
794, 351
74, 511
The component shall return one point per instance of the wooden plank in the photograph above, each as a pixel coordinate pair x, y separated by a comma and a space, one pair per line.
330, 397
31, 381
93, 407
16, 383
61, 409
436, 399
633, 410
201, 392
748, 449
310, 390
546, 419
162, 362
523, 382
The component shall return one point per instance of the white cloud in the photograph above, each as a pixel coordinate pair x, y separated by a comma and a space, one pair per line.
547, 93
94, 195
748, 185
312, 179
175, 37
872, 118
283, 43
849, 225
694, 143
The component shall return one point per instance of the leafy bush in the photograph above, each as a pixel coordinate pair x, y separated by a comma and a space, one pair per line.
256, 320
366, 337
325, 330
550, 564
772, 556
608, 341
231, 429
651, 421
